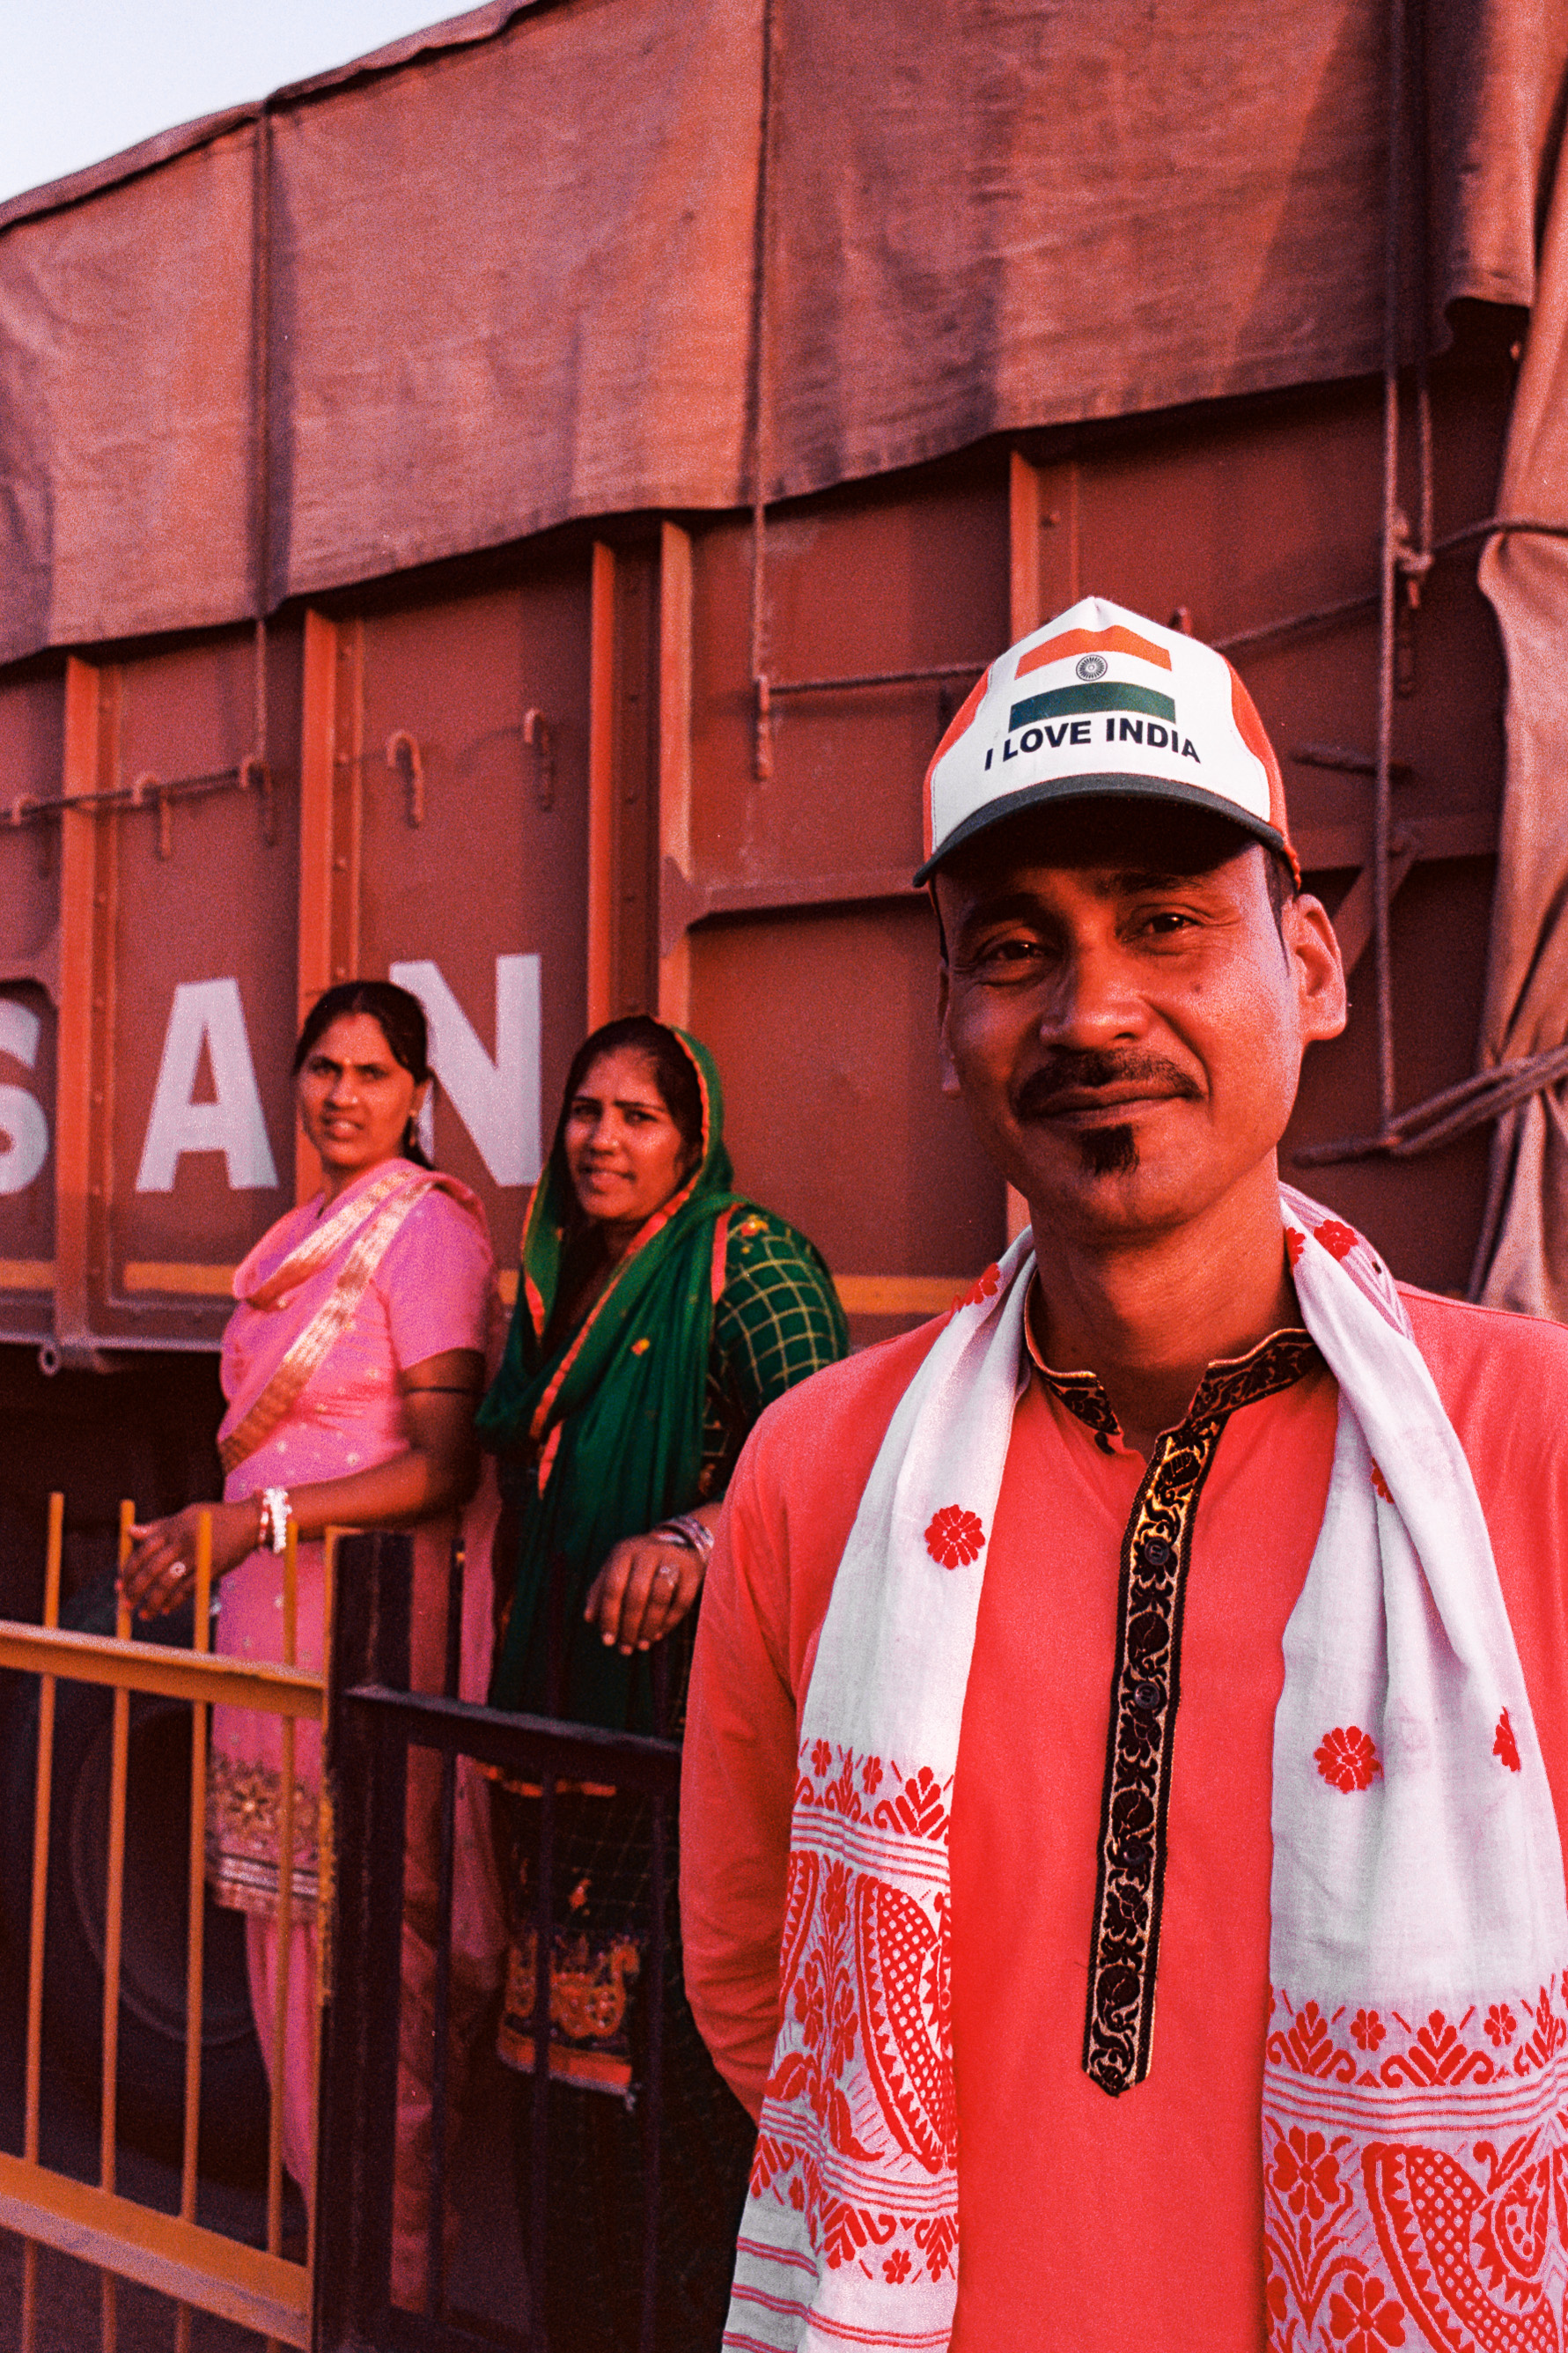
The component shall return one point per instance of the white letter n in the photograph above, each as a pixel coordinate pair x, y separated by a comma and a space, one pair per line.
497, 1101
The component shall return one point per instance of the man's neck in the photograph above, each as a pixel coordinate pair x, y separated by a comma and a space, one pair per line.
1149, 1315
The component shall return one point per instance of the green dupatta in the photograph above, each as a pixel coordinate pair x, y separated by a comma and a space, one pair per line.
602, 1438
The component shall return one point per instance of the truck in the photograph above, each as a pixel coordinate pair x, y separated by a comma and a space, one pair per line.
545, 585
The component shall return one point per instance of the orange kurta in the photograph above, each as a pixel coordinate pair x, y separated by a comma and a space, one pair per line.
1088, 2224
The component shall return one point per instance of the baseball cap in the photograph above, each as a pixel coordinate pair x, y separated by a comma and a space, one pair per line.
1101, 702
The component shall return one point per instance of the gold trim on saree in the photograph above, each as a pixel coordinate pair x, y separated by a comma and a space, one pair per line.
590, 1988
379, 1211
244, 1827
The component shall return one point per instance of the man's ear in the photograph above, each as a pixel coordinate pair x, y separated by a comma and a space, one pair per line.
950, 1085
1320, 991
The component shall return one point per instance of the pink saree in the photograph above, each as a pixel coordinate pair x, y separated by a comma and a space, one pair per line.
334, 1306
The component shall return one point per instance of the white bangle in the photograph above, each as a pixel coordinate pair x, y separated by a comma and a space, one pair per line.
275, 1514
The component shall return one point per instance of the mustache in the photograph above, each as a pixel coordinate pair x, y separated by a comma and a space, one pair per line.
1079, 1070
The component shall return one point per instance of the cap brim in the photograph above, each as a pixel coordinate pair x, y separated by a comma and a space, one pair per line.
1108, 786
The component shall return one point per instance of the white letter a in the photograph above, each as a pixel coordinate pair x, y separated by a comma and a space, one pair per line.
207, 1010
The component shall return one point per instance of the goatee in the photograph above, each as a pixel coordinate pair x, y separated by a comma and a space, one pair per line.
1109, 1151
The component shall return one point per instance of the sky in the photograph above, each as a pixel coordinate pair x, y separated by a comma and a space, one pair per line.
83, 79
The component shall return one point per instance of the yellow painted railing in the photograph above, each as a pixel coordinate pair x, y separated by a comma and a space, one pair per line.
199, 2268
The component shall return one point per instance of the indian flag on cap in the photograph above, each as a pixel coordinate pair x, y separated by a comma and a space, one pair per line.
1102, 701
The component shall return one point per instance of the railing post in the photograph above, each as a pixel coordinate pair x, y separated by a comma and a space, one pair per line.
436, 2222
365, 1776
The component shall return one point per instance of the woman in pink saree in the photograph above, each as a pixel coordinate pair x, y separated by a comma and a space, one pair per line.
352, 1366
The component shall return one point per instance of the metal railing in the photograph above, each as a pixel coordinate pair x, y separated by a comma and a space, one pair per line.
340, 2295
198, 2267
374, 1721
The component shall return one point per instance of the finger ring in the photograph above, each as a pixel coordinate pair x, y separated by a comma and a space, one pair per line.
666, 1573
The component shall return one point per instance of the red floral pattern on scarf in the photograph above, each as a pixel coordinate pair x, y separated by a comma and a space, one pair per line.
1373, 2242
1347, 1758
1434, 2050
984, 1286
955, 1537
1305, 2173
1337, 1240
1505, 1746
1364, 2317
918, 1809
1308, 2047
867, 1968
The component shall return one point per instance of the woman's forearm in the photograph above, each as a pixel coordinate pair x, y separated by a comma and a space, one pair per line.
438, 1471
412, 1486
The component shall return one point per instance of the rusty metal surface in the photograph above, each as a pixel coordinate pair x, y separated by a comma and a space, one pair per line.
494, 874
555, 760
32, 757
892, 576
426, 834
818, 1001
202, 911
825, 1027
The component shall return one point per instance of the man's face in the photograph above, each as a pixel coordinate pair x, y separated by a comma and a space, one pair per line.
1124, 1020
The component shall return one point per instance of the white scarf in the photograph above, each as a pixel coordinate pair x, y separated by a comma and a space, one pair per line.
1415, 2162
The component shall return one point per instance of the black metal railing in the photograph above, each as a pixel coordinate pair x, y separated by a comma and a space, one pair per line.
374, 1720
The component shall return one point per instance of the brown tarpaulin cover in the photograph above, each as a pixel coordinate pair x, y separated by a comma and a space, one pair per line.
1526, 577
512, 265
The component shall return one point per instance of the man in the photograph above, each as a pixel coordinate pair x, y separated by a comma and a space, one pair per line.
1136, 1631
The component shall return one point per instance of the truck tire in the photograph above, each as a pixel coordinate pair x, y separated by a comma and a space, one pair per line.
152, 2069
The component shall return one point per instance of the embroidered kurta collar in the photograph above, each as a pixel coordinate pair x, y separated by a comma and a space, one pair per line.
1277, 1362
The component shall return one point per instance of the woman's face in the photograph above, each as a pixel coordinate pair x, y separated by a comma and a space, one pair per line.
355, 1098
625, 1153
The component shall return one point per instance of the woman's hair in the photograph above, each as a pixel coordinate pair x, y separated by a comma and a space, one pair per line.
673, 1073
400, 1017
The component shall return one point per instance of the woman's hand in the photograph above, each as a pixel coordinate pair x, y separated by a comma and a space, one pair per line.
436, 1471
645, 1588
162, 1567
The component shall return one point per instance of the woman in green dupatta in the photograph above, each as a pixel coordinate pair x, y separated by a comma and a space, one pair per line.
658, 1315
